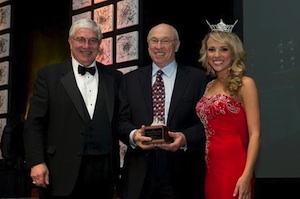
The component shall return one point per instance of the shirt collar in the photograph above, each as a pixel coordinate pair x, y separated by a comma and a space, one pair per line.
168, 69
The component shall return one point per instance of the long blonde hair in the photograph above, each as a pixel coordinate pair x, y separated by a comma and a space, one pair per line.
237, 69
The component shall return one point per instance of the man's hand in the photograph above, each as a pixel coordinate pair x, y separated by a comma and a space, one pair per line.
179, 141
40, 175
141, 140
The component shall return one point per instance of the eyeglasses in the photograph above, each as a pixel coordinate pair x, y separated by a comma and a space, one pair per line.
154, 41
82, 41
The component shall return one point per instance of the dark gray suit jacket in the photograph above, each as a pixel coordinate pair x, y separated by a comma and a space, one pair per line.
58, 119
187, 167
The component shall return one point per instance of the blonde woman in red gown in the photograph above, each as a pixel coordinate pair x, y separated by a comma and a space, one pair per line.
229, 111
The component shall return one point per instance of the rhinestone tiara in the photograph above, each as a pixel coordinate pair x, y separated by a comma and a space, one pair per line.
221, 27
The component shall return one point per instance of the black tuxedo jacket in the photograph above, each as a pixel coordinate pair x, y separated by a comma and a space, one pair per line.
187, 167
58, 119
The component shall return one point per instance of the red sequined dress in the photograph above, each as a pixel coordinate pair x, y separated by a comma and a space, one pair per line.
226, 132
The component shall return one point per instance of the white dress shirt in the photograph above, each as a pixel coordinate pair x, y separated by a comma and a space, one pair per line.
88, 86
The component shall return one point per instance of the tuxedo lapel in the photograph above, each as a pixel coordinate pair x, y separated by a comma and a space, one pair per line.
108, 86
69, 83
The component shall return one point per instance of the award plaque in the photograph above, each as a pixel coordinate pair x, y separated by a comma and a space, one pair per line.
158, 133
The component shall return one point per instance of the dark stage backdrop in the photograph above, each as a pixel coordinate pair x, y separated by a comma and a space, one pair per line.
271, 36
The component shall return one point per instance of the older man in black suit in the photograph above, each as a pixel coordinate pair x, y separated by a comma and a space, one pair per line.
157, 169
70, 133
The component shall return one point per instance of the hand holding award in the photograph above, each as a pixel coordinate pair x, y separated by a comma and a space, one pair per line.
158, 132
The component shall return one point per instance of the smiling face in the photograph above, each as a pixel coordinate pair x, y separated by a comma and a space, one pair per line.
84, 46
163, 43
219, 55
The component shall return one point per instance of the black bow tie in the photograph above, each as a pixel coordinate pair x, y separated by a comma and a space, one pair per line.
82, 70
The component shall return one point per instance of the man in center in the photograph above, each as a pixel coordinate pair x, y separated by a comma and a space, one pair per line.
162, 170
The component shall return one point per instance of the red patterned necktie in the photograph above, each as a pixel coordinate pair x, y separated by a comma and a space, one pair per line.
158, 96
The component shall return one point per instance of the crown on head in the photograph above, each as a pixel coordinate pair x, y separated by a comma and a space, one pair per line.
221, 27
